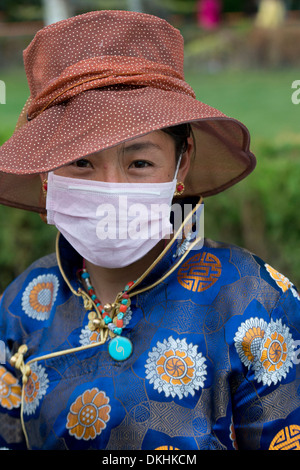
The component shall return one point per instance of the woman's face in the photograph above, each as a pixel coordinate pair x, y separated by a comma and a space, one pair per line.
146, 159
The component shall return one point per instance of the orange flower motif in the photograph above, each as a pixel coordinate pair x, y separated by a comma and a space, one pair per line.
265, 347
275, 359
88, 415
250, 336
36, 292
95, 336
248, 339
35, 388
32, 388
274, 353
87, 336
10, 391
39, 296
176, 367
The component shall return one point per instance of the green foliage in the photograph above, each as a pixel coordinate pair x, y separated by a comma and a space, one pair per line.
185, 7
21, 10
23, 239
261, 212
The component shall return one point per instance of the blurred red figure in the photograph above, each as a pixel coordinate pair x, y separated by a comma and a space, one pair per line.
209, 13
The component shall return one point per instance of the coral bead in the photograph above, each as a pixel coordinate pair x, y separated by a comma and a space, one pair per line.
122, 308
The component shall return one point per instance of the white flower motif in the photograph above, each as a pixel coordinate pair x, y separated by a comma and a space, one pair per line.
275, 358
266, 348
176, 368
39, 296
87, 336
35, 388
248, 339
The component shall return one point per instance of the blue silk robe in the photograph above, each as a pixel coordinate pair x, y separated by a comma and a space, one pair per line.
215, 333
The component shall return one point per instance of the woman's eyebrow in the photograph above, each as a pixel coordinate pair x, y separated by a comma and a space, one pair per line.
137, 146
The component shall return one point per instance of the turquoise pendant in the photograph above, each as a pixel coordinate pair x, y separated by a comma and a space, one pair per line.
120, 348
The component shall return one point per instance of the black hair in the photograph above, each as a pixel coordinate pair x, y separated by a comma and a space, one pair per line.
180, 135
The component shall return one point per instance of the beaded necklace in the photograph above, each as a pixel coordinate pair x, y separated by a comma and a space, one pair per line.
110, 317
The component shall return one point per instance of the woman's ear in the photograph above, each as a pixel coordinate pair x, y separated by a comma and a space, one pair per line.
185, 160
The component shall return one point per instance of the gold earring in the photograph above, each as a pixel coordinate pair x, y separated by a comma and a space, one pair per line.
179, 189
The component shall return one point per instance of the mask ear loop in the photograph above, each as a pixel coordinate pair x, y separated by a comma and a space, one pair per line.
179, 185
178, 165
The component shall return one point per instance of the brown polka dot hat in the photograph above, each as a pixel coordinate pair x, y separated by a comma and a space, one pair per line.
102, 78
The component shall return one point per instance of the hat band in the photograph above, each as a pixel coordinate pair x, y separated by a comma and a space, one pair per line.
99, 72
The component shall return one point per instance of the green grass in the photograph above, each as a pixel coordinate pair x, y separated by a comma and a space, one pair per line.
261, 99
17, 92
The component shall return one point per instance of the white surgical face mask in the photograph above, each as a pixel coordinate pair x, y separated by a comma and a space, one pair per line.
110, 224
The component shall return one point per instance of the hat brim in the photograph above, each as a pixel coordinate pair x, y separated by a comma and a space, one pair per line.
98, 119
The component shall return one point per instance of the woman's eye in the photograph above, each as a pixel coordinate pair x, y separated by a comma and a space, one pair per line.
82, 163
139, 164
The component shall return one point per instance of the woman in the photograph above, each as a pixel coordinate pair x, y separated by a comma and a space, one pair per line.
136, 333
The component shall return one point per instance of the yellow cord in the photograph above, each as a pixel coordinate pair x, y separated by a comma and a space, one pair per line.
18, 359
